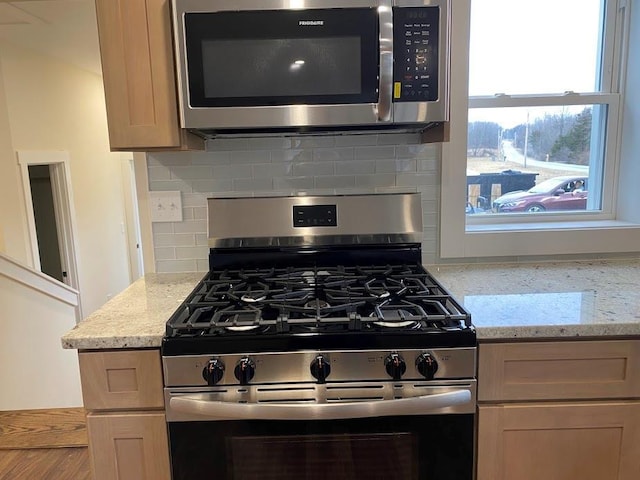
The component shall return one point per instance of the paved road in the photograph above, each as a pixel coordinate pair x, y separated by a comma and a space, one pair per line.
514, 155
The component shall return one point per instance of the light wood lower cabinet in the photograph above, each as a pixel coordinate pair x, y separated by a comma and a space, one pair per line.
122, 392
128, 446
569, 441
559, 410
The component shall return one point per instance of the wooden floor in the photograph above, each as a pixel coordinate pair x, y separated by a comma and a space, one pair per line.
60, 427
45, 464
44, 445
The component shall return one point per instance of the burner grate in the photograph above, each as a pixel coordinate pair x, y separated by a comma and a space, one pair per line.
318, 299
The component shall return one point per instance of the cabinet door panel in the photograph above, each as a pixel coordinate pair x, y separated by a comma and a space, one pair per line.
559, 370
129, 446
588, 441
137, 69
121, 380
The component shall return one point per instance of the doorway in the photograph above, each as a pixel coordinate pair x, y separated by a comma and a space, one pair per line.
50, 216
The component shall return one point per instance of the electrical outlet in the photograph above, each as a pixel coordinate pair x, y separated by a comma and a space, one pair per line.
165, 206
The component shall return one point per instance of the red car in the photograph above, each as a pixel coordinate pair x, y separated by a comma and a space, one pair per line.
558, 193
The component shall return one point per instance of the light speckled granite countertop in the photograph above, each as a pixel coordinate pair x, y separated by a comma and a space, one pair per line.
544, 300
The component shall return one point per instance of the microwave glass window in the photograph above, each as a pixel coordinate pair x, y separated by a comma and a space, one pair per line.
282, 67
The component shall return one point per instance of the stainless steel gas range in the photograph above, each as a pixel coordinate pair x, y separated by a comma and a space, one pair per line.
318, 347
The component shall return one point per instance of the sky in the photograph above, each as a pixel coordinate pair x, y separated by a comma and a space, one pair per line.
560, 38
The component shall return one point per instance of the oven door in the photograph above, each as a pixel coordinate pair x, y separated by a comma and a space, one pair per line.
430, 436
250, 64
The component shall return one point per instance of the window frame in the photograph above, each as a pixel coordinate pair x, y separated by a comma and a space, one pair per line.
463, 236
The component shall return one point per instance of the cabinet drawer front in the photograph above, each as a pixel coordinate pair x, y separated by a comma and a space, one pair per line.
121, 380
129, 446
559, 370
586, 441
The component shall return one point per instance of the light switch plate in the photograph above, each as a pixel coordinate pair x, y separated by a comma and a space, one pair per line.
165, 206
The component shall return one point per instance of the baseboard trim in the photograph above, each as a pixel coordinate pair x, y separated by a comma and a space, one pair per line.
51, 428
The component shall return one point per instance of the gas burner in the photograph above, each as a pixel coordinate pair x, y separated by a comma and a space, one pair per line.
317, 304
253, 298
408, 325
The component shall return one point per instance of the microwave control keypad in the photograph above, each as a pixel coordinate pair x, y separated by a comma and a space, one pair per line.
416, 54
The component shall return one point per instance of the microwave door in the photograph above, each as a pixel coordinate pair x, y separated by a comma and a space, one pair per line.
286, 68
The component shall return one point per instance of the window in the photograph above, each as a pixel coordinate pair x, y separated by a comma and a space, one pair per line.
540, 94
536, 110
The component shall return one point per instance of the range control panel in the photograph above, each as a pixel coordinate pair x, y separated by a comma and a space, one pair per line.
315, 216
415, 40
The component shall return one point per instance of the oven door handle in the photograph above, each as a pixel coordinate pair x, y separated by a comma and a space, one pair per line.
214, 410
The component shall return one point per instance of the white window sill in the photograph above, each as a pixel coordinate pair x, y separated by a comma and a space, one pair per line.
587, 225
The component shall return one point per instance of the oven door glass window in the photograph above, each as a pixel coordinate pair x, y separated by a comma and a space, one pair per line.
391, 448
264, 58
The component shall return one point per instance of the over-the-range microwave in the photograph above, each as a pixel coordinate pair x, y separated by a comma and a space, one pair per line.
305, 66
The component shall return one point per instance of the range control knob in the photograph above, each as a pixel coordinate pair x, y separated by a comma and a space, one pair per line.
245, 370
395, 366
427, 365
213, 371
320, 368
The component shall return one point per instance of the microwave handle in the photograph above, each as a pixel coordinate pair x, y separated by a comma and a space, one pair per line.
385, 79
214, 410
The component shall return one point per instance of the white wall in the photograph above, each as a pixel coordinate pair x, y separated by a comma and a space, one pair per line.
50, 105
35, 372
12, 213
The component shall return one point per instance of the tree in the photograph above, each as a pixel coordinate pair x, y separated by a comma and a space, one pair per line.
482, 136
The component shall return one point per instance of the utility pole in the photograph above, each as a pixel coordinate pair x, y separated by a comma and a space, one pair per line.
526, 140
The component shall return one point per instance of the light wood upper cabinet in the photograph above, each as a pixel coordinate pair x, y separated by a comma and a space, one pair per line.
139, 77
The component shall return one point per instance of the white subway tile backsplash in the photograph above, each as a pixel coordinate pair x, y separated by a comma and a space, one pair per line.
160, 228
418, 179
313, 169
200, 213
159, 173
249, 156
271, 170
396, 165
296, 183
356, 167
231, 171
165, 253
169, 159
195, 226
193, 200
186, 253
334, 154
202, 239
176, 266
294, 155
336, 181
269, 143
170, 185
212, 185
376, 180
211, 158
192, 172
375, 153
252, 184
322, 165
174, 239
